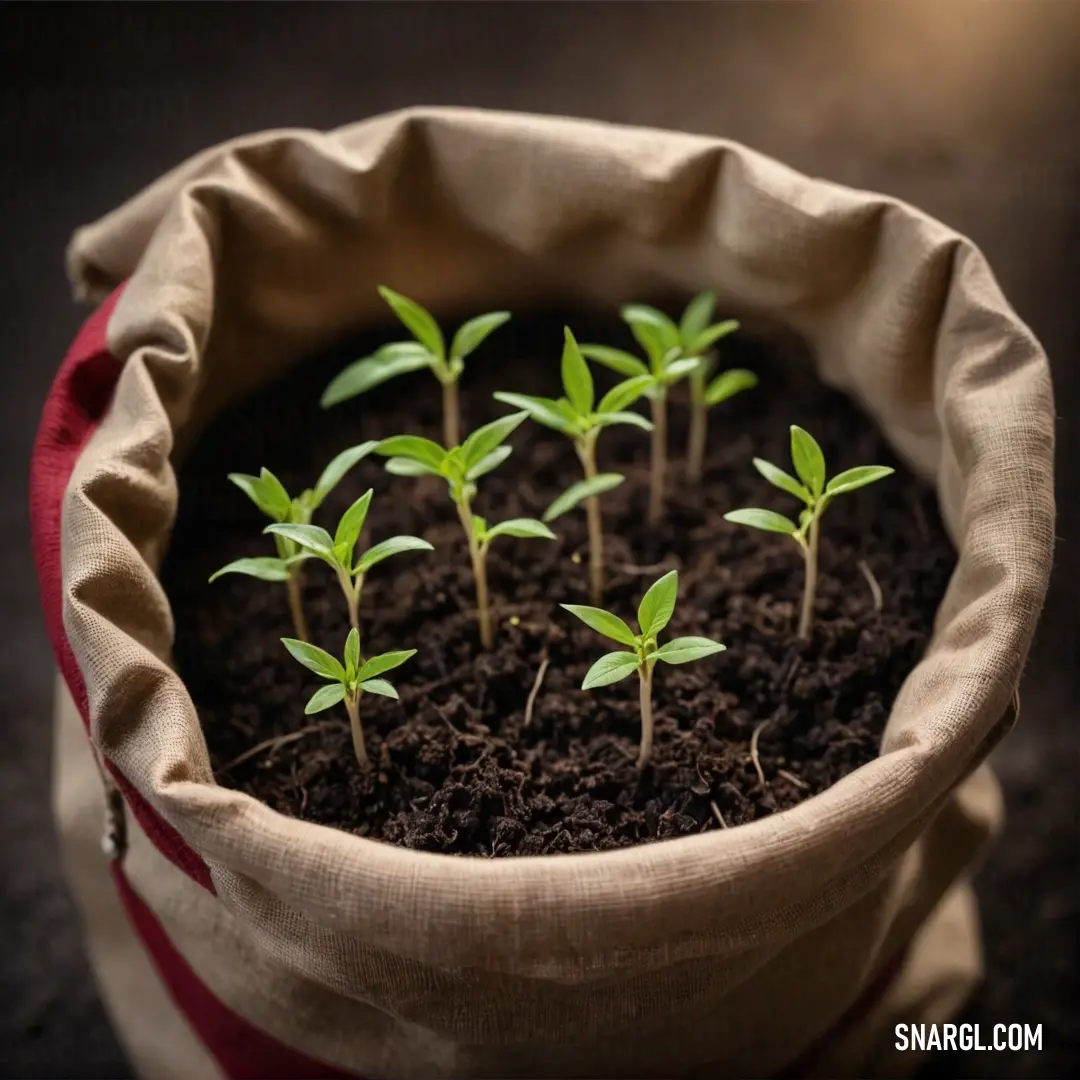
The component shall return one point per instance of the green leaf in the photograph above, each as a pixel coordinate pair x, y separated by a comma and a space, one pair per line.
666, 331
255, 490
403, 466
394, 546
808, 459
333, 473
315, 659
489, 463
583, 489
352, 652
616, 359
352, 522
728, 384
487, 438
766, 520
611, 668
625, 393
326, 697
480, 527
389, 362
603, 622
311, 537
784, 481
277, 498
576, 378
417, 319
648, 336
675, 370
860, 476
380, 687
697, 316
682, 650
711, 335
658, 604
386, 661
472, 333
416, 448
608, 419
524, 528
266, 569
544, 411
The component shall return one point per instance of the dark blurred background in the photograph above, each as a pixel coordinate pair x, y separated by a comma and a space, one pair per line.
969, 110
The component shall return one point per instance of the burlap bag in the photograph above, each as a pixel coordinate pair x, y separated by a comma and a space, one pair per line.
785, 947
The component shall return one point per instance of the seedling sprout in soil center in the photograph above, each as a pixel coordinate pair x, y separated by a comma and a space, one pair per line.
461, 466
339, 551
268, 493
578, 416
654, 613
348, 681
428, 350
675, 350
809, 462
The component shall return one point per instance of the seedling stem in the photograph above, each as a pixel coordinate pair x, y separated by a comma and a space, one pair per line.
810, 555
294, 583
451, 414
659, 455
645, 697
478, 557
352, 707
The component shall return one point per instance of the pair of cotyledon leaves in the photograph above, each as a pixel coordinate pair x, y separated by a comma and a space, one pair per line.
268, 493
347, 679
811, 486
461, 466
675, 350
653, 615
428, 350
338, 551
579, 416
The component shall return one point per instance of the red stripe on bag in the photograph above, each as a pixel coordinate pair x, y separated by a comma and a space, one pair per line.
77, 400
243, 1051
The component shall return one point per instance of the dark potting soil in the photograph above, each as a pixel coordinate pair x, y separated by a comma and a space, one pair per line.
458, 769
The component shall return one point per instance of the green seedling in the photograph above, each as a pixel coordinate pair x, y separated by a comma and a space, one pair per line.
642, 650
812, 489
269, 495
675, 351
581, 418
427, 350
699, 335
461, 466
339, 551
348, 681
